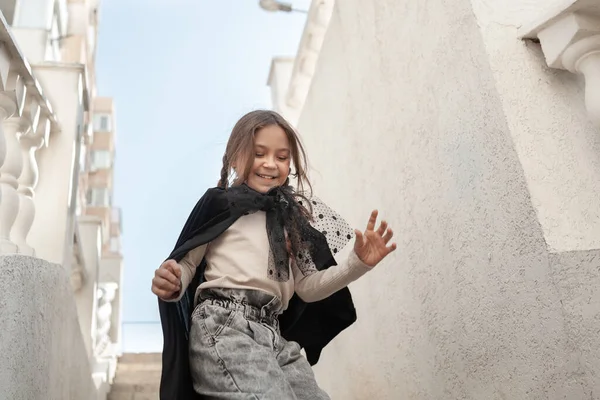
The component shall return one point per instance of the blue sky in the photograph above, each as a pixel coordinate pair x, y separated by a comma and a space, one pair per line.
181, 73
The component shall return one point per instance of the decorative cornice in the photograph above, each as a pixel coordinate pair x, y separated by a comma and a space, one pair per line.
570, 38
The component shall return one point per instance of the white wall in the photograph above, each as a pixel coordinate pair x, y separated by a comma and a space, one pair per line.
39, 27
51, 233
484, 162
36, 14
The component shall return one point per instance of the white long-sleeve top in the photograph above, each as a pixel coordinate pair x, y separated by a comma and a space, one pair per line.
238, 259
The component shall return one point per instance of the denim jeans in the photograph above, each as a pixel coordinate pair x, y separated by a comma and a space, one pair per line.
237, 352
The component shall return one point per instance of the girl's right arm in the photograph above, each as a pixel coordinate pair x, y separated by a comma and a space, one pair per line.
171, 279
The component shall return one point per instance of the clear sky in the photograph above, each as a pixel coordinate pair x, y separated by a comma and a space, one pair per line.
181, 73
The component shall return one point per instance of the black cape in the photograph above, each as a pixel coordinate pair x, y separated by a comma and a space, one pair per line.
311, 325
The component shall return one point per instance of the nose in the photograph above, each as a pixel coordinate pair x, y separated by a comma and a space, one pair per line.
269, 163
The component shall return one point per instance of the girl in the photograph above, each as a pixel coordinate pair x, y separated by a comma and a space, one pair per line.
255, 263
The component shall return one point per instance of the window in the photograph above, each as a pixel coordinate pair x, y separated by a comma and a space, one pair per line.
101, 159
98, 197
102, 122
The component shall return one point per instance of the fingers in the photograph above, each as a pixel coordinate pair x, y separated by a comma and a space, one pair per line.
360, 239
168, 276
382, 227
388, 235
171, 265
383, 230
163, 294
372, 221
166, 281
375, 241
391, 248
388, 249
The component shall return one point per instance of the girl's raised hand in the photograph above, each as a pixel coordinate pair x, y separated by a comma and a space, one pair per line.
371, 246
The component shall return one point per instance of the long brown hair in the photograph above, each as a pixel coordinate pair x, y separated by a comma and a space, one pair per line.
240, 149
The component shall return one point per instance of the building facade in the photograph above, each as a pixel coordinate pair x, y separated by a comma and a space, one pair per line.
473, 126
60, 254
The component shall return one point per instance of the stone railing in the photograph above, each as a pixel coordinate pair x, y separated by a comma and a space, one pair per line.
105, 294
26, 122
104, 365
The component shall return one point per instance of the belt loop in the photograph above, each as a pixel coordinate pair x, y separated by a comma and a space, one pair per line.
263, 313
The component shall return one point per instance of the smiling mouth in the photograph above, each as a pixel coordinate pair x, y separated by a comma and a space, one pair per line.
266, 176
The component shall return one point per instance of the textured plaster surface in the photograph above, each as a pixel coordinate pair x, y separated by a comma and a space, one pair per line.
557, 144
576, 274
406, 114
42, 355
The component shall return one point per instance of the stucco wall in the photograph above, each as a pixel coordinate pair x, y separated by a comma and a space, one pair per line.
435, 117
544, 108
42, 355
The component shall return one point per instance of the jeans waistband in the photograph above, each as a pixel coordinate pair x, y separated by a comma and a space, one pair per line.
255, 304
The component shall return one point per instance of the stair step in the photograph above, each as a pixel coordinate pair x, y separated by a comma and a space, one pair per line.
138, 367
133, 396
141, 358
138, 377
119, 387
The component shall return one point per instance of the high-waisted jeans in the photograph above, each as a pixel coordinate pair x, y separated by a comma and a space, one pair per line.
237, 352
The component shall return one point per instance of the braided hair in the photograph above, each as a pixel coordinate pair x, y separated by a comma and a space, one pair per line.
224, 173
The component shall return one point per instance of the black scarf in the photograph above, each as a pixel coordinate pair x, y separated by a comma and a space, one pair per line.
287, 213
314, 237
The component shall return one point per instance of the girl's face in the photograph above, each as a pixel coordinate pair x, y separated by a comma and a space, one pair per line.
272, 156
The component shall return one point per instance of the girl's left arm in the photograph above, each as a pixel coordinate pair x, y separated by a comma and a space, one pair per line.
317, 285
370, 247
